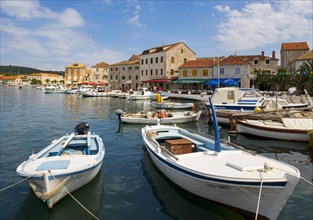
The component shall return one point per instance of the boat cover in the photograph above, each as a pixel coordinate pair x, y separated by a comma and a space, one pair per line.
298, 123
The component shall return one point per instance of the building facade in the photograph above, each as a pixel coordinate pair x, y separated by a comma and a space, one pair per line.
76, 73
158, 65
125, 74
194, 73
298, 64
100, 73
46, 78
232, 67
289, 52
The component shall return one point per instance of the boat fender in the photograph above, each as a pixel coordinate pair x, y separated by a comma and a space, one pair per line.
257, 109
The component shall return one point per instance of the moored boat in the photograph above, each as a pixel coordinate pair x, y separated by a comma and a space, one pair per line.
252, 184
52, 89
153, 117
288, 129
142, 94
65, 165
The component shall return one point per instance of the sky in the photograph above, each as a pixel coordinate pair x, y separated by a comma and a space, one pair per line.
52, 34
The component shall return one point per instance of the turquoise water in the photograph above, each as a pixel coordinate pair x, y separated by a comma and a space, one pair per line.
128, 185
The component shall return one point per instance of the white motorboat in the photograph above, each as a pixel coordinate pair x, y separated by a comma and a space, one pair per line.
252, 184
142, 94
247, 99
65, 165
72, 90
99, 91
52, 89
152, 117
289, 129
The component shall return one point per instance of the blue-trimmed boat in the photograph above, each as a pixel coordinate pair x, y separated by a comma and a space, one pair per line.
247, 99
252, 184
65, 165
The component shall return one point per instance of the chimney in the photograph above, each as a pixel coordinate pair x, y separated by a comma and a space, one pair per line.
273, 54
262, 53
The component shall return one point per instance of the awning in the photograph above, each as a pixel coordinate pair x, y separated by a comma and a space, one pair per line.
102, 83
157, 81
227, 81
189, 81
128, 82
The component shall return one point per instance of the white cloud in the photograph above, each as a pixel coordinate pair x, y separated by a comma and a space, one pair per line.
260, 24
71, 18
135, 19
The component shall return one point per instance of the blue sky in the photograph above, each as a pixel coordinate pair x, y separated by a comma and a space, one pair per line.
51, 34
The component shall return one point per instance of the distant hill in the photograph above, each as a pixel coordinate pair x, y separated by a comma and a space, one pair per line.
15, 70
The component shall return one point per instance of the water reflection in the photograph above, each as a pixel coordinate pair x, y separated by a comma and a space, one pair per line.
177, 202
89, 195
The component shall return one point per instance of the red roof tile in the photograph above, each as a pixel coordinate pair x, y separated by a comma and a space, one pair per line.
233, 60
198, 63
295, 46
101, 65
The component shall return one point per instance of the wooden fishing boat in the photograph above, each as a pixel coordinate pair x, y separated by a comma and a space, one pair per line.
65, 165
252, 184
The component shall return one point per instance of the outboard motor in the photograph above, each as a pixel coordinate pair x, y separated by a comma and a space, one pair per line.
82, 128
119, 113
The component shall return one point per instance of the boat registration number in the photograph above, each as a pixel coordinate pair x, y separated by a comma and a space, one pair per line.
218, 186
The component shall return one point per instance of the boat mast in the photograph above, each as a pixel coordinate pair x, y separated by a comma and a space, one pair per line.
218, 70
217, 142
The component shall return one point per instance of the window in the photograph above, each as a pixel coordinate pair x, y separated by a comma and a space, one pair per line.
267, 61
123, 77
111, 77
142, 72
172, 71
161, 59
182, 50
75, 71
151, 72
142, 62
255, 62
237, 70
129, 68
205, 72
136, 67
185, 73
69, 70
161, 71
222, 71
151, 60
129, 77
172, 59
194, 72
123, 68
146, 72
185, 60
146, 60
116, 68
111, 69
137, 77
156, 59
156, 72
116, 77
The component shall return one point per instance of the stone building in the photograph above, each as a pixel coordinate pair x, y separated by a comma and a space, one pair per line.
289, 52
159, 65
232, 67
46, 78
100, 73
125, 74
298, 63
76, 73
194, 73
11, 80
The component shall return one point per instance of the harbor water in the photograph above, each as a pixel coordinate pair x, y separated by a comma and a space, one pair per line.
128, 185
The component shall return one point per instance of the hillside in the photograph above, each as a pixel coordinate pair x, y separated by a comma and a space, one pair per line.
15, 70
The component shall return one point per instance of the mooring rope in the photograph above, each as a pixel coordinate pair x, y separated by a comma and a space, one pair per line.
74, 197
20, 181
259, 198
301, 177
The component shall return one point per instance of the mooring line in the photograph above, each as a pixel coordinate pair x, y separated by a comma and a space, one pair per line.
5, 188
74, 197
259, 198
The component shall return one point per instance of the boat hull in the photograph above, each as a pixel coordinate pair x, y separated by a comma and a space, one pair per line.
272, 133
61, 186
220, 186
190, 117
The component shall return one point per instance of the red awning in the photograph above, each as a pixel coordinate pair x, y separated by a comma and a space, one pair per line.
102, 83
157, 81
92, 83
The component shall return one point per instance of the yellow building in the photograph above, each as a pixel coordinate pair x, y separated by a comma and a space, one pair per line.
76, 73
46, 78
